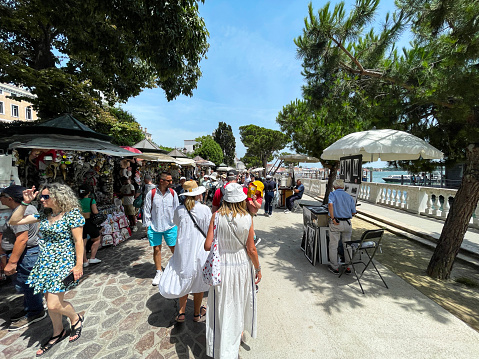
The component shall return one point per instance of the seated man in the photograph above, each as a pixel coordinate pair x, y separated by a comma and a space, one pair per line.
297, 194
341, 207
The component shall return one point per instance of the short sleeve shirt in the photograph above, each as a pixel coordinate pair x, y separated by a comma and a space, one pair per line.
10, 232
128, 189
343, 204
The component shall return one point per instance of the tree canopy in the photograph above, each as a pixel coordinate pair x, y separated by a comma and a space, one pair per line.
87, 52
262, 142
209, 149
119, 124
224, 136
429, 90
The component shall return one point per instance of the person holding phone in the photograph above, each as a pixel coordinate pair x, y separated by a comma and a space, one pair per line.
60, 264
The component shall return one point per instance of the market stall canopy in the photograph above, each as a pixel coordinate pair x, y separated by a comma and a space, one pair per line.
69, 143
177, 154
159, 157
205, 163
185, 161
131, 149
298, 158
387, 145
146, 145
259, 169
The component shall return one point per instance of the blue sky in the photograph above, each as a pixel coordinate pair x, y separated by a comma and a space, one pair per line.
251, 72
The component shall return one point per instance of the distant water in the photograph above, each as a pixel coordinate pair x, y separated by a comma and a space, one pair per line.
378, 176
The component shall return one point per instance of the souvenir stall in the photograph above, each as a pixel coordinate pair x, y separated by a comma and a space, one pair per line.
81, 156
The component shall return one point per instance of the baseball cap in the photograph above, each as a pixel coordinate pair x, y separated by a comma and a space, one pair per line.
14, 191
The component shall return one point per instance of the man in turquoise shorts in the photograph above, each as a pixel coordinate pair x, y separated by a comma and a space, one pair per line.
160, 205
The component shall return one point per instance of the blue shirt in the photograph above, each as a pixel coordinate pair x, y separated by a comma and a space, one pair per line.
301, 190
343, 204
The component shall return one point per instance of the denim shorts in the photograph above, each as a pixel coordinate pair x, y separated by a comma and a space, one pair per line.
155, 238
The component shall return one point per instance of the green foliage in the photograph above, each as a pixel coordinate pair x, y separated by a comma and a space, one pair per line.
251, 161
262, 142
209, 149
223, 135
118, 123
78, 56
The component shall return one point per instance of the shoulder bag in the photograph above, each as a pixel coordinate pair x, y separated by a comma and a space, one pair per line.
98, 218
211, 269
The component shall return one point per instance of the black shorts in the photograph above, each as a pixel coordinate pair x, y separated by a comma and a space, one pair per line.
90, 229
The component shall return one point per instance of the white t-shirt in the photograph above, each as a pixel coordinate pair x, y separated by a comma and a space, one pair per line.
128, 189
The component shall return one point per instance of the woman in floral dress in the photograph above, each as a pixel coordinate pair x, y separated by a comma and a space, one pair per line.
61, 255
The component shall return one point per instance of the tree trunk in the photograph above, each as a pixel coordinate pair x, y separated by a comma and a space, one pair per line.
457, 221
333, 172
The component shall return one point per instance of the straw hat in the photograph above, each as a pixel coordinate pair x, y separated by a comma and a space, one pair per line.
192, 189
234, 193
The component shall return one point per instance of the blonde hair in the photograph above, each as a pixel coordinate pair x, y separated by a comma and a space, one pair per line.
64, 197
190, 201
238, 208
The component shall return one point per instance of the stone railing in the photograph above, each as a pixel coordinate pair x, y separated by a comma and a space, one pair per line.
428, 201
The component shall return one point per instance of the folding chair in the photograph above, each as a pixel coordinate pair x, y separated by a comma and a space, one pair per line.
370, 242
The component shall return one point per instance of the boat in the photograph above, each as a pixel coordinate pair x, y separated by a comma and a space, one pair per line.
397, 179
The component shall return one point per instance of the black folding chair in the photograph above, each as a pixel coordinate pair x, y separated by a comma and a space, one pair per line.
369, 244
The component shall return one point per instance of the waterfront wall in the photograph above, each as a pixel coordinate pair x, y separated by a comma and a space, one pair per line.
427, 201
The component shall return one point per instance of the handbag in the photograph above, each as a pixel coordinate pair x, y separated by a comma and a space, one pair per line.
211, 269
137, 203
98, 218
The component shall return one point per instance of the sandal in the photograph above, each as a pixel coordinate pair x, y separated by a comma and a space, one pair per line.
200, 317
178, 320
47, 346
77, 331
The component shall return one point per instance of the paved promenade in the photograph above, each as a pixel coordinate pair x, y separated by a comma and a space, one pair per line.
304, 311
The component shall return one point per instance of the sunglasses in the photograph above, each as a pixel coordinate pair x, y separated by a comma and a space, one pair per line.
45, 196
161, 179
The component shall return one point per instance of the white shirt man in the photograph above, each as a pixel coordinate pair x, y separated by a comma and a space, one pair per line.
159, 209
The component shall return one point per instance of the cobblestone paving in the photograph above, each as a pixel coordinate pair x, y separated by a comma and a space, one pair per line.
125, 316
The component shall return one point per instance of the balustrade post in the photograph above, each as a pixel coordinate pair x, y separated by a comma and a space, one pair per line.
445, 207
475, 221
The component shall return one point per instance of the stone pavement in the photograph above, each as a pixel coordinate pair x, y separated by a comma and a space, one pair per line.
304, 311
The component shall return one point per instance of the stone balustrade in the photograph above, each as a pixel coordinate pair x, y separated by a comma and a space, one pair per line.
428, 201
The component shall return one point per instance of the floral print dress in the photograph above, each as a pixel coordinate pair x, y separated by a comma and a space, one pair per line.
57, 255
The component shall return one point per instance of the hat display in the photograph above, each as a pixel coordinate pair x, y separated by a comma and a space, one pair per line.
192, 189
14, 191
234, 193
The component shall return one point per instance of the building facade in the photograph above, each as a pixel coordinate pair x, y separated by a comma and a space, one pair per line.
15, 110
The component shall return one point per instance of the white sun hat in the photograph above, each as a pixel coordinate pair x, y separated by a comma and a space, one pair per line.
192, 189
234, 193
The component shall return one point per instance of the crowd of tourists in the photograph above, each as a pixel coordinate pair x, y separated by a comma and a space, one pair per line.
44, 251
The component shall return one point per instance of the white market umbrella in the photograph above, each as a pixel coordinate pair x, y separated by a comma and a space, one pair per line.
387, 145
298, 158
259, 169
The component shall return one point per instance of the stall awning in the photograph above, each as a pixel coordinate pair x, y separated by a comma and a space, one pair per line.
159, 157
185, 161
69, 143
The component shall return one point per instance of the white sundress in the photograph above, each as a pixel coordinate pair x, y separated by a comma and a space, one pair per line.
232, 304
183, 273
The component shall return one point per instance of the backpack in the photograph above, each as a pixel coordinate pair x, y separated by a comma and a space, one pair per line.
153, 192
222, 191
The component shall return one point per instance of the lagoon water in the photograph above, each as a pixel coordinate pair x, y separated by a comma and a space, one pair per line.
378, 176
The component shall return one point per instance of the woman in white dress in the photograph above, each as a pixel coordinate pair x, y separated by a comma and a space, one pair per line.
232, 304
183, 274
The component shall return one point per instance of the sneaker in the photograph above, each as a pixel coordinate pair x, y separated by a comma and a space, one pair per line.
157, 278
17, 316
257, 240
86, 264
94, 261
287, 211
347, 270
26, 321
332, 270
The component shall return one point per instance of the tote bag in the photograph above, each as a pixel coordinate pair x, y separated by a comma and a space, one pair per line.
211, 269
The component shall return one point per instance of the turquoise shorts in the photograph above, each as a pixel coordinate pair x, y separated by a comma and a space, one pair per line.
155, 238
